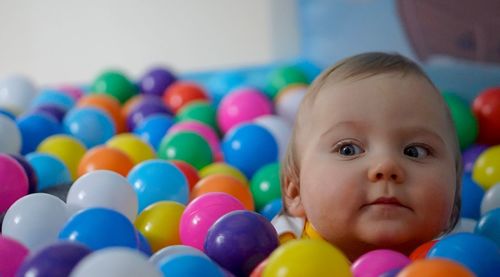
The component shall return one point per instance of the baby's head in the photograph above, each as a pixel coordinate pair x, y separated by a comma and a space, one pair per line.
373, 161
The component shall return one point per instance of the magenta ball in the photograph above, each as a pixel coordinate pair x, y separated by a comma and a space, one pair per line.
201, 129
242, 105
201, 213
377, 262
13, 182
12, 254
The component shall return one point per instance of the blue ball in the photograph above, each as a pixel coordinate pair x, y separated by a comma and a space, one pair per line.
7, 113
98, 228
153, 128
158, 180
248, 147
90, 125
34, 129
189, 265
53, 97
479, 254
271, 209
144, 245
489, 226
472, 195
49, 169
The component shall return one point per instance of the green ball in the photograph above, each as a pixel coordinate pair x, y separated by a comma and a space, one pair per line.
188, 147
463, 119
265, 185
203, 112
283, 77
115, 84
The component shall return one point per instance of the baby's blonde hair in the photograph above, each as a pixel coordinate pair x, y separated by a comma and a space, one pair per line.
359, 67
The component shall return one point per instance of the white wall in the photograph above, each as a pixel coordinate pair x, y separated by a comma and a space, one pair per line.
64, 41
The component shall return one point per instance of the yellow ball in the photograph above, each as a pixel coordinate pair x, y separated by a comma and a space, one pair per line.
69, 149
222, 168
307, 257
486, 170
137, 149
159, 223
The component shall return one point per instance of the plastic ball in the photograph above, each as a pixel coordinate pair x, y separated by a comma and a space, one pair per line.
307, 257
240, 145
159, 223
90, 125
240, 240
186, 146
53, 97
491, 199
13, 182
7, 113
115, 262
203, 112
226, 184
240, 106
189, 172
68, 149
171, 250
16, 93
130, 144
105, 157
107, 104
158, 180
55, 111
486, 108
223, 168
463, 119
115, 84
10, 140
181, 93
470, 155
221, 83
34, 129
489, 226
12, 255
486, 171
99, 228
74, 91
156, 81
57, 259
271, 209
30, 172
201, 213
471, 195
134, 100
479, 254
50, 170
190, 265
148, 106
377, 262
421, 251
288, 101
103, 188
143, 245
283, 77
279, 128
154, 128
435, 268
35, 220
201, 129
265, 185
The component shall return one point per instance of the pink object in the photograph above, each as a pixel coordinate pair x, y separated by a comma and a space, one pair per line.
201, 129
242, 105
13, 182
201, 213
73, 91
374, 263
12, 254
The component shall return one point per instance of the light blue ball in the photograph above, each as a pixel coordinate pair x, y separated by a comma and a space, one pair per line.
271, 209
189, 266
53, 97
90, 125
489, 226
50, 170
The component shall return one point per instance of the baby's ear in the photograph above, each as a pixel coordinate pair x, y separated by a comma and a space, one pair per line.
292, 199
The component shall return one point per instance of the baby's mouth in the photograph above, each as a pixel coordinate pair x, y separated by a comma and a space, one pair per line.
390, 201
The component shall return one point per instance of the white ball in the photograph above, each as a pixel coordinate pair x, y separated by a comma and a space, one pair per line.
35, 220
287, 102
10, 139
279, 128
104, 188
16, 93
174, 250
115, 262
491, 199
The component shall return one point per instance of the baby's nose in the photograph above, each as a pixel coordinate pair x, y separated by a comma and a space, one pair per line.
386, 170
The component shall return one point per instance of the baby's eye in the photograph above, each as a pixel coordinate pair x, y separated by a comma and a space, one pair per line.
416, 151
348, 149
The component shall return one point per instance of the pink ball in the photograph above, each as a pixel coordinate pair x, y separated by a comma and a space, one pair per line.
242, 105
376, 262
201, 213
201, 129
13, 182
12, 254
73, 91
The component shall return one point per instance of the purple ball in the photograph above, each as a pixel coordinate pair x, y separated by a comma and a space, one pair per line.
240, 240
469, 156
55, 260
148, 106
56, 111
30, 172
156, 81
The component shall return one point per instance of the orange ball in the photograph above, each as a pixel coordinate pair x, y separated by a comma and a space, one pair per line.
109, 105
421, 251
189, 171
227, 184
105, 157
435, 268
181, 93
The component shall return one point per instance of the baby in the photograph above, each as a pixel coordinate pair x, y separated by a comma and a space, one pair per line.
373, 161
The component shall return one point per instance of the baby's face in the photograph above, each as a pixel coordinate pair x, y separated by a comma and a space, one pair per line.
377, 165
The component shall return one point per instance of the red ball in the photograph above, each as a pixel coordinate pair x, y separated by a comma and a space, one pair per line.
421, 251
189, 171
486, 108
181, 93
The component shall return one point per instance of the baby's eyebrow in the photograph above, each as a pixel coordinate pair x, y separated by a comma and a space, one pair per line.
348, 124
423, 131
